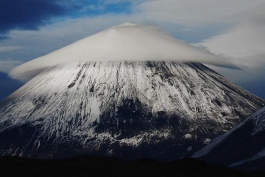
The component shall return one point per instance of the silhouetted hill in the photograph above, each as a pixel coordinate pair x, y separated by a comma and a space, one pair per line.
107, 166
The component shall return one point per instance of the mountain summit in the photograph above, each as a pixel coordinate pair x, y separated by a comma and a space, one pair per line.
163, 110
127, 42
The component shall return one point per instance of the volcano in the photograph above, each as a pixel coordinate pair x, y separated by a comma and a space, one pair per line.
163, 110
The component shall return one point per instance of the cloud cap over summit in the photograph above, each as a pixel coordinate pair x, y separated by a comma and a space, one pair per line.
126, 42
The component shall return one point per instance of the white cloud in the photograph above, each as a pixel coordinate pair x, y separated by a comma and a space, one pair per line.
127, 42
7, 65
10, 48
197, 12
93, 7
244, 45
122, 1
58, 35
62, 33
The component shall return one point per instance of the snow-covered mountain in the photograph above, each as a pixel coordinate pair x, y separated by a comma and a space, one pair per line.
130, 91
161, 110
242, 147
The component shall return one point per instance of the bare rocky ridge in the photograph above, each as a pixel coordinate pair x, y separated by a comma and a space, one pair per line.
159, 110
242, 147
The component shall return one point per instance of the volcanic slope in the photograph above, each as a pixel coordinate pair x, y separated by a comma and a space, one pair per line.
242, 147
159, 110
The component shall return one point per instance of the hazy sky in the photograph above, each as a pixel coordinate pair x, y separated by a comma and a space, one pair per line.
232, 29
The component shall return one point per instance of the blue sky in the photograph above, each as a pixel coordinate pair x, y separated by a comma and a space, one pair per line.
233, 29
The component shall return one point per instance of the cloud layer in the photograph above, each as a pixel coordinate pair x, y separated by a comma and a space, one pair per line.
197, 12
127, 42
7, 65
244, 45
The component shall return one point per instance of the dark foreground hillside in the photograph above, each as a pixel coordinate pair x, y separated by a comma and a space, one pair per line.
104, 166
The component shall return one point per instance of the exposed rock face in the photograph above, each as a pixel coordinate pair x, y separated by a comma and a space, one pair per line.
160, 110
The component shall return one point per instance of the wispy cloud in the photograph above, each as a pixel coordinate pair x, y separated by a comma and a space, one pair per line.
124, 1
7, 65
34, 14
10, 48
197, 12
58, 35
244, 45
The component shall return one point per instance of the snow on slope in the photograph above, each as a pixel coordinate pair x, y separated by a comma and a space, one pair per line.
127, 42
244, 145
161, 110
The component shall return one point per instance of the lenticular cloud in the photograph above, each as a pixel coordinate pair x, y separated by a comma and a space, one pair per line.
127, 42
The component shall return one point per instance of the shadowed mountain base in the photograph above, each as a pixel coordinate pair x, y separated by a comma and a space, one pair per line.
105, 166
